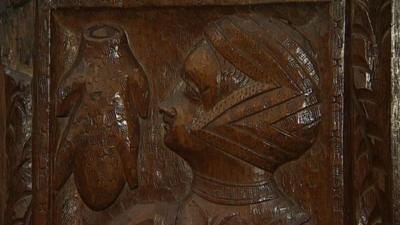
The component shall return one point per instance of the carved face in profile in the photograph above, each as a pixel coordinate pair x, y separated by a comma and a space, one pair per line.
248, 100
196, 93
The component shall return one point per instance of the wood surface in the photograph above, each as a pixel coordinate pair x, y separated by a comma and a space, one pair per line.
210, 112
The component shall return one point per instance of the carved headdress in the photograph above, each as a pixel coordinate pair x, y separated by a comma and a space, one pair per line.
267, 109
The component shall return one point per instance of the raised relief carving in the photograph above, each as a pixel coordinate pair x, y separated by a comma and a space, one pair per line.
18, 149
248, 103
99, 103
370, 73
252, 155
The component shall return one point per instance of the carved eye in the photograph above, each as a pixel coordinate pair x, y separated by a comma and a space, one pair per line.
192, 91
64, 93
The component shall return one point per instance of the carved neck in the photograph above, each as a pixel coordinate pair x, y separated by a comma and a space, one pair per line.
234, 194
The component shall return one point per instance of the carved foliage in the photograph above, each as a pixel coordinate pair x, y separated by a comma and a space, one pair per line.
19, 152
370, 56
99, 102
16, 34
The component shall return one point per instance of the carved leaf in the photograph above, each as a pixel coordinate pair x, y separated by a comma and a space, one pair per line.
367, 37
19, 152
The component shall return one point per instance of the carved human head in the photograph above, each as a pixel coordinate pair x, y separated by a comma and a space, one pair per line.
250, 88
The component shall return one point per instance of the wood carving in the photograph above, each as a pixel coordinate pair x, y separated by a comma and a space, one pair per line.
99, 103
197, 112
208, 112
16, 111
16, 34
248, 104
249, 142
18, 150
370, 57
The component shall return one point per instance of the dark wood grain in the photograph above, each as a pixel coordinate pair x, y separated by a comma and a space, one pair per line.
395, 31
187, 49
369, 95
209, 112
18, 148
16, 114
3, 176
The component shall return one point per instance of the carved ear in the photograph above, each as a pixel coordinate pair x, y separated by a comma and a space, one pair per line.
139, 91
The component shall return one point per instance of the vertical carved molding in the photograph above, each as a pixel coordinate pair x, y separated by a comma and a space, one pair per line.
41, 166
369, 47
16, 152
16, 43
3, 188
395, 109
338, 101
16, 35
18, 148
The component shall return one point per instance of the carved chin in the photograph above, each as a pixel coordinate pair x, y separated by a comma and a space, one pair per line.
174, 140
168, 139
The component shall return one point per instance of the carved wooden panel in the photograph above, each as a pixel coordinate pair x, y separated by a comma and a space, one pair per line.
210, 112
196, 115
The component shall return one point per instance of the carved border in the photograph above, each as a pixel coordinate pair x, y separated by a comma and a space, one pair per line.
15, 66
370, 178
338, 17
149, 3
3, 185
17, 154
42, 167
395, 109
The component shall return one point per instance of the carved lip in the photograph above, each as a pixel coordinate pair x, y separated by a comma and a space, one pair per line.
103, 32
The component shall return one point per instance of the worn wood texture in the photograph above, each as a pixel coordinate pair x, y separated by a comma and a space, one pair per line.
369, 97
16, 35
16, 31
18, 148
3, 187
170, 45
395, 113
157, 3
212, 112
41, 206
